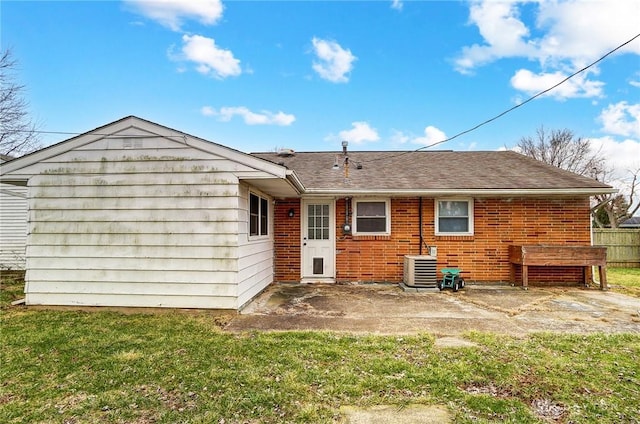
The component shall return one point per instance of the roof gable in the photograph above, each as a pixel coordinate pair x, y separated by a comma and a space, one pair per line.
129, 131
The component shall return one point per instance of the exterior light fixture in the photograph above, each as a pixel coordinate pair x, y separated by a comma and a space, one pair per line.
291, 213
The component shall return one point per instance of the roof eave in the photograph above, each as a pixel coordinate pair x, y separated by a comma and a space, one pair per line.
591, 191
293, 179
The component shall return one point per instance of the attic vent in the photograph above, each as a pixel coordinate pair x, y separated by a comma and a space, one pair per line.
132, 143
285, 153
420, 271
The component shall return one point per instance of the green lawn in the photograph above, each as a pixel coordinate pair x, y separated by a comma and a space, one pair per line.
176, 367
624, 280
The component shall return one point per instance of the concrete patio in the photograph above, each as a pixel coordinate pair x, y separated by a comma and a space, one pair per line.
387, 309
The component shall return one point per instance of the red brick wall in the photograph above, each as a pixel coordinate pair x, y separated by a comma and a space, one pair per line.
287, 240
483, 256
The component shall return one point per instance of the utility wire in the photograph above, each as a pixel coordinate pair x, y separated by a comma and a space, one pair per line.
391, 156
508, 110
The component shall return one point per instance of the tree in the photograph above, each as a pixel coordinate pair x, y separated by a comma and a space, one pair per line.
562, 149
611, 210
18, 133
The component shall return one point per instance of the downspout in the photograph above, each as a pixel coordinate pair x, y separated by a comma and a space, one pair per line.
420, 222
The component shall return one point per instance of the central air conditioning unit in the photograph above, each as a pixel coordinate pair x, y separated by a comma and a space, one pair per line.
420, 271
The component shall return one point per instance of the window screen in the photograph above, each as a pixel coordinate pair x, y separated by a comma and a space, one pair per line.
453, 216
258, 215
371, 217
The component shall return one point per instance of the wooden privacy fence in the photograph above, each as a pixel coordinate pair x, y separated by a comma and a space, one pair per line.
623, 246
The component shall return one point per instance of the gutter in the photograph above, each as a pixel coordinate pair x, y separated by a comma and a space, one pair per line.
463, 192
292, 177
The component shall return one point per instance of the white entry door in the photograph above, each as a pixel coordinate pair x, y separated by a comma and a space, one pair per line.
318, 240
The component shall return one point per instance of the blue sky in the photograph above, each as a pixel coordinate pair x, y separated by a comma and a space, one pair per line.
383, 75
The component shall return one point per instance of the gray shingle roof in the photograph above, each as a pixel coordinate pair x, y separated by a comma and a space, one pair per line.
431, 171
632, 222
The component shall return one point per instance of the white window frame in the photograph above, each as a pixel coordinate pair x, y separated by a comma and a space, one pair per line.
387, 211
262, 200
470, 202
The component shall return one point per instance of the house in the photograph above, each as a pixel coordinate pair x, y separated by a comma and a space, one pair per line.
137, 214
633, 222
13, 224
470, 206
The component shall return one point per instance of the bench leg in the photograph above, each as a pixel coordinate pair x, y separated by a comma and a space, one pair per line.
525, 277
602, 270
587, 274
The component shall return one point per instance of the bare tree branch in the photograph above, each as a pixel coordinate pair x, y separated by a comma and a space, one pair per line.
18, 133
562, 149
635, 187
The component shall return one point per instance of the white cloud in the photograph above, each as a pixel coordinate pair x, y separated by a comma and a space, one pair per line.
431, 135
396, 4
577, 31
398, 138
209, 58
334, 62
583, 30
264, 117
208, 111
622, 119
502, 31
360, 132
569, 34
172, 13
578, 86
623, 156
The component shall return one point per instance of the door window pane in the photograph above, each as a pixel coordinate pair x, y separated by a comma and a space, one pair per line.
318, 222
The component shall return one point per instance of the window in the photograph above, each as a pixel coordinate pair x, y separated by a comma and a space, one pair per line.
258, 215
318, 224
454, 217
371, 217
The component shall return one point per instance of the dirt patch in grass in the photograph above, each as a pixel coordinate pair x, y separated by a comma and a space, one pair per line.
445, 342
390, 414
548, 410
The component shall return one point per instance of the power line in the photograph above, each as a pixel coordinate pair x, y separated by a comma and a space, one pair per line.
535, 96
391, 156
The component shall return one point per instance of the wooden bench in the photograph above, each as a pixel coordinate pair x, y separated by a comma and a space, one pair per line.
550, 255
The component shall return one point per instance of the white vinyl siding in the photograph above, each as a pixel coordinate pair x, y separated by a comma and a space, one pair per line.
255, 264
454, 217
13, 226
153, 223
